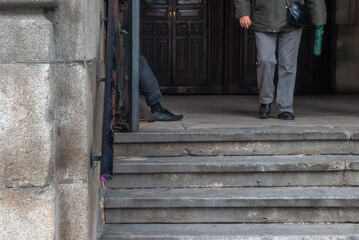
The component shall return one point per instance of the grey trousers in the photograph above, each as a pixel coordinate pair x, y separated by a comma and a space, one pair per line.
288, 45
148, 83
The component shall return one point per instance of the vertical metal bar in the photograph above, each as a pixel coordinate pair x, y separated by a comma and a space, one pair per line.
110, 92
134, 47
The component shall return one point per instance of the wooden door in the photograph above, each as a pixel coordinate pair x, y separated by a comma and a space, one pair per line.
156, 38
175, 41
189, 43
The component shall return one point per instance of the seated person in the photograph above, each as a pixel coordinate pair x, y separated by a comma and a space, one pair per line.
149, 86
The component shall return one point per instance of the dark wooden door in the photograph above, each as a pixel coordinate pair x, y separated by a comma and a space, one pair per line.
313, 75
156, 38
175, 41
189, 51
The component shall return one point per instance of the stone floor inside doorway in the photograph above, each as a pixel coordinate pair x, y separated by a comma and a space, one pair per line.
238, 111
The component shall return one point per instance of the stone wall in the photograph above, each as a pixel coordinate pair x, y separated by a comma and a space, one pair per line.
347, 27
49, 58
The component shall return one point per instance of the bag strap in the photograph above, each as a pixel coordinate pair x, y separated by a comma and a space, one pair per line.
305, 2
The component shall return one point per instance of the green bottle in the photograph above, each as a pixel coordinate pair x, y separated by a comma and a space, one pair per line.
318, 41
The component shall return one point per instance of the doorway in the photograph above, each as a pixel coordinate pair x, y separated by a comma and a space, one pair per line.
174, 40
198, 47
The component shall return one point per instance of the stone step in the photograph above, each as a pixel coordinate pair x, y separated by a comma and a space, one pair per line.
246, 141
232, 205
234, 171
231, 232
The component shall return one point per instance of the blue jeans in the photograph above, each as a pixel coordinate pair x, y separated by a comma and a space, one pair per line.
148, 83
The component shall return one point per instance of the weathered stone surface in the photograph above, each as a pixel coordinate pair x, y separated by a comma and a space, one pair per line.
355, 135
26, 125
236, 134
232, 231
238, 112
27, 4
203, 164
77, 30
355, 147
232, 215
94, 185
27, 213
70, 30
352, 163
74, 118
239, 179
233, 197
352, 178
74, 210
93, 29
26, 38
240, 171
235, 148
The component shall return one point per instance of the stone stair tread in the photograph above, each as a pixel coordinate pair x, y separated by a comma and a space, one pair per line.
231, 231
202, 164
240, 134
233, 197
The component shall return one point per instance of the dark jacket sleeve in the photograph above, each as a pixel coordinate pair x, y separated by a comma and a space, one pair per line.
242, 7
318, 11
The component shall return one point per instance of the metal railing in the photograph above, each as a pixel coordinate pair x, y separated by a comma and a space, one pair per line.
113, 79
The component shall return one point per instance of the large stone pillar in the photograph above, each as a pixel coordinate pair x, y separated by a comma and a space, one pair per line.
27, 126
347, 70
49, 58
77, 35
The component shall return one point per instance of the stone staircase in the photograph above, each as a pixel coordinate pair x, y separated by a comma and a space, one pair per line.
264, 183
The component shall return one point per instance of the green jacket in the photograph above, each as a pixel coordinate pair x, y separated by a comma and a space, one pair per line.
271, 15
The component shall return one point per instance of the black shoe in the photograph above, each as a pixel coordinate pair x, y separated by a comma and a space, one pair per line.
165, 115
286, 116
264, 110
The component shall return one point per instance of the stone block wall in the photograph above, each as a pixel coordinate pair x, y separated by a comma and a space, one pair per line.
49, 59
27, 140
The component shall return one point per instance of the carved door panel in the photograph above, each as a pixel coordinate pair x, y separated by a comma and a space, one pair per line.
156, 38
174, 41
189, 43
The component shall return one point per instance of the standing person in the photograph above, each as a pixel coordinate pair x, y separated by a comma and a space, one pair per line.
268, 19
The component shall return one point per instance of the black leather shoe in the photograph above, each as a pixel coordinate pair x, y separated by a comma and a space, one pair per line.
286, 116
264, 110
165, 115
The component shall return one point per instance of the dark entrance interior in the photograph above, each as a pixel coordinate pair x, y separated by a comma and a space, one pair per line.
197, 47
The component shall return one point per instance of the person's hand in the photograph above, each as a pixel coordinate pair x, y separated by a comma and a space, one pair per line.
245, 22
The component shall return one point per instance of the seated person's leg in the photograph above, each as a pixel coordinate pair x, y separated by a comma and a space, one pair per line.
149, 86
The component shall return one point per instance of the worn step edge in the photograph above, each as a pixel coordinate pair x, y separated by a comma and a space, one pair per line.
232, 215
240, 134
232, 231
218, 164
233, 179
233, 197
